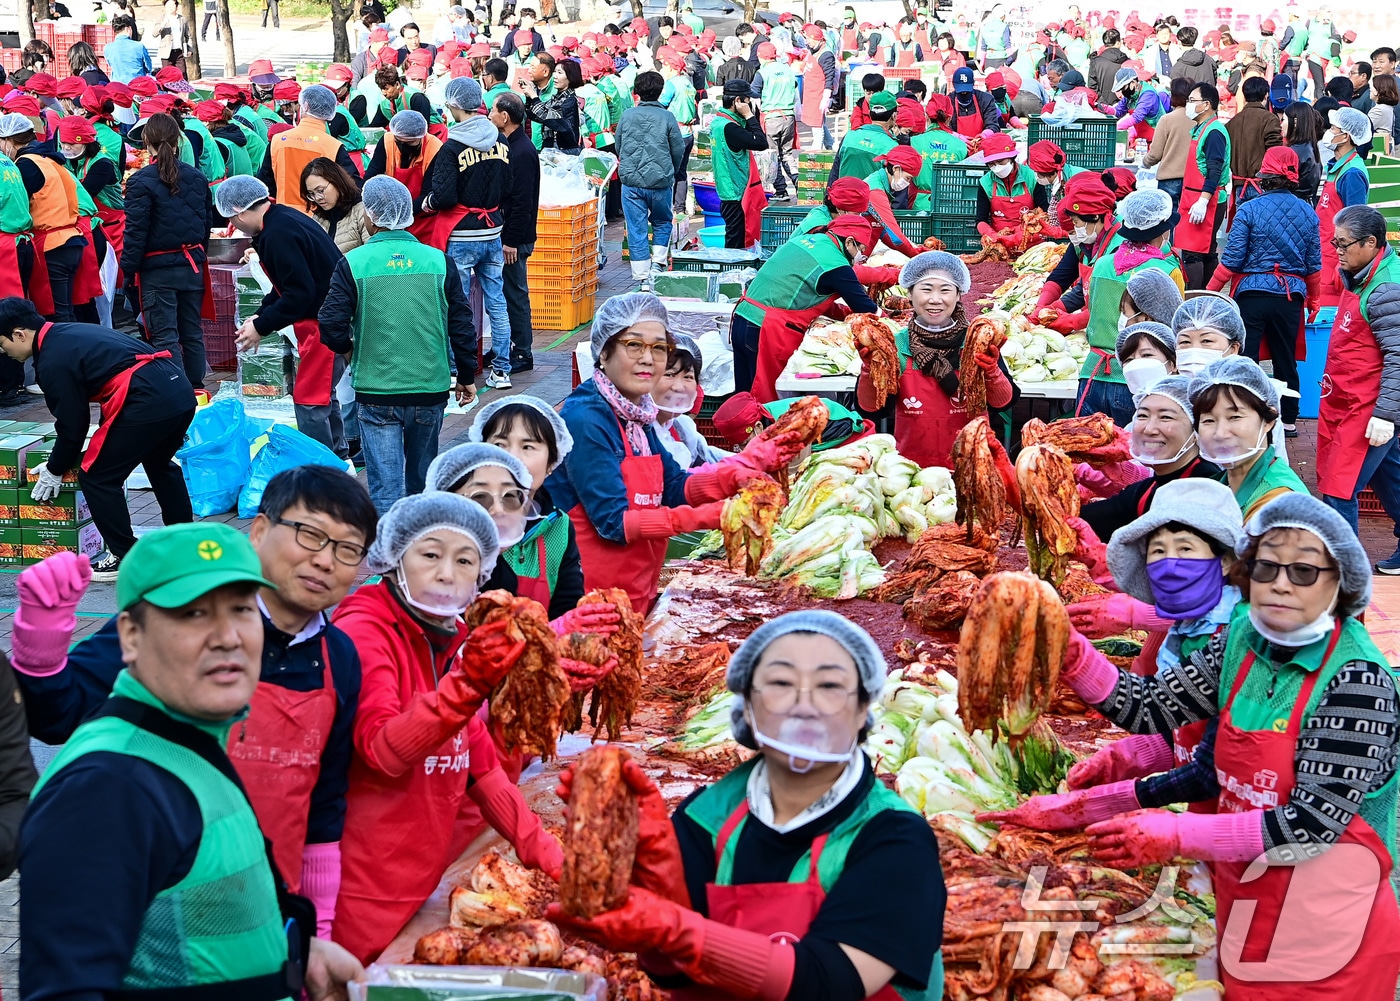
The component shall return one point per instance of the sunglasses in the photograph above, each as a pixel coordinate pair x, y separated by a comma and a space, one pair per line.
1301, 574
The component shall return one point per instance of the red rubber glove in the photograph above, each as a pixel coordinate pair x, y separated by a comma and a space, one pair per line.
1111, 614
879, 275
1012, 238
49, 592
665, 522
1222, 277
999, 390
1068, 323
1159, 836
741, 964
1313, 302
487, 657
1049, 293
987, 230
1066, 811
599, 618
1089, 550
1097, 483
1052, 231
504, 808
583, 675
768, 455
724, 479
1133, 757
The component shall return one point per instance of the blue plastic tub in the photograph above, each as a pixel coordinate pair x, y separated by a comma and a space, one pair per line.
712, 236
713, 219
706, 197
1310, 369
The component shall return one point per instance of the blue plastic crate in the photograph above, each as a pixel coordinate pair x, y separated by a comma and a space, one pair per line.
1318, 335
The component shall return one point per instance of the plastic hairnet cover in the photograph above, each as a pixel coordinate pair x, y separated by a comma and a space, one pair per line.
870, 662
1236, 370
415, 516
318, 102
936, 262
1210, 312
463, 93
1145, 208
1124, 77
238, 193
1155, 294
408, 125
13, 125
620, 312
1162, 334
1354, 123
1295, 510
1176, 388
454, 465
563, 440
387, 202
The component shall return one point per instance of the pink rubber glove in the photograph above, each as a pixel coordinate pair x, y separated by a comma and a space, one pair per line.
664, 522
1090, 551
1125, 123
1092, 675
49, 593
1066, 811
1114, 614
1160, 836
320, 881
582, 675
600, 619
1096, 482
1133, 757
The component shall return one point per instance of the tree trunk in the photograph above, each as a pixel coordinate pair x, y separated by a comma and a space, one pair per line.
26, 22
41, 11
193, 71
226, 27
340, 17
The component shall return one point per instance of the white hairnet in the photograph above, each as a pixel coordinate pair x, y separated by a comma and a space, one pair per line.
238, 193
1206, 506
1145, 208
12, 124
453, 466
1123, 77
1354, 123
1162, 334
387, 202
1296, 510
687, 344
1155, 293
1236, 370
408, 125
563, 441
1210, 312
870, 662
415, 516
620, 312
463, 93
936, 262
318, 101
1176, 388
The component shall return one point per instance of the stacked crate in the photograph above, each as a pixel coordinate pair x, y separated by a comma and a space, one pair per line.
563, 270
219, 344
1088, 142
30, 530
953, 195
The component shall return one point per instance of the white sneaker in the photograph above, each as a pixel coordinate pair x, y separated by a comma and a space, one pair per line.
34, 390
105, 567
498, 380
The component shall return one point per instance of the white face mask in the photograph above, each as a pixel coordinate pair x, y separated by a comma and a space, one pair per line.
860, 259
1122, 326
1303, 635
798, 738
899, 184
1045, 180
1080, 236
1004, 169
1329, 140
1227, 461
1193, 112
677, 399
1142, 373
437, 603
1190, 361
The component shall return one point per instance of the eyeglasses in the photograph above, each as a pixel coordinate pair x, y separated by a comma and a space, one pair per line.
316, 194
1301, 574
780, 697
1340, 245
659, 351
509, 501
309, 537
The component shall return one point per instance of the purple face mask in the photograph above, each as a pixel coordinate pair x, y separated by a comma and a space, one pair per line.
1186, 588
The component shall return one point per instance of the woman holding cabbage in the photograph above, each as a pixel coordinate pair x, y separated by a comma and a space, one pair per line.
1308, 736
798, 875
928, 409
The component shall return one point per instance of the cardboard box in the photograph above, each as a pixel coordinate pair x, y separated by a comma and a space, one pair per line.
11, 547
683, 285
67, 510
39, 455
9, 506
39, 542
12, 452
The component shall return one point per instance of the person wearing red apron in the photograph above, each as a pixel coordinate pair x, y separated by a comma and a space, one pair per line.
928, 409
1204, 189
818, 88
1085, 212
1347, 183
970, 105
750, 891
1008, 190
735, 133
408, 159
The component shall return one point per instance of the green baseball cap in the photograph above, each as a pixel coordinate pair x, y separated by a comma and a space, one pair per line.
174, 566
883, 101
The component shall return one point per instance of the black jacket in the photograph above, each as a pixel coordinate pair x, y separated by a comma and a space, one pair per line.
1103, 68
299, 257
417, 101
736, 68
342, 160
474, 174
159, 220
558, 118
984, 107
73, 364
522, 197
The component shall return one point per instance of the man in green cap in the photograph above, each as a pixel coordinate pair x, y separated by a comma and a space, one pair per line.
863, 146
142, 808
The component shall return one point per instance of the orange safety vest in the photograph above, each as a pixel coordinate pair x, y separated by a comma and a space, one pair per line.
291, 151
54, 207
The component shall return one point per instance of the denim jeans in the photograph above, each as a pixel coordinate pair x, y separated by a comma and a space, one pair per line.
1380, 470
1110, 398
398, 443
641, 206
484, 259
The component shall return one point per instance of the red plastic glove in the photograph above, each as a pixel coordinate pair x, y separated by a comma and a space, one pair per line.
504, 808
49, 592
1066, 811
1068, 323
487, 657
721, 479
1222, 277
583, 675
1313, 302
987, 230
1011, 238
1049, 293
879, 275
664, 522
1089, 550
598, 618
1133, 757
1051, 231
1159, 836
768, 455
1112, 614
1097, 483
999, 389
1092, 675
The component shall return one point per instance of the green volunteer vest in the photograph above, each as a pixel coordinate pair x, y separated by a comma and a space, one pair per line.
730, 166
626, 77
618, 100
255, 145
221, 922
788, 279
1268, 475
113, 145
994, 186
87, 205
856, 157
682, 103
779, 88
268, 113
818, 217
524, 556
1106, 288
1266, 699
993, 33
1298, 42
716, 803
14, 200
495, 92
236, 158
536, 129
1320, 43
211, 160
399, 285
1198, 136
697, 24
595, 114
354, 139
249, 118
1336, 169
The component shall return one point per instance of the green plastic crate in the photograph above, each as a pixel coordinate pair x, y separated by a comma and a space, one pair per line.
955, 188
959, 234
780, 222
1088, 142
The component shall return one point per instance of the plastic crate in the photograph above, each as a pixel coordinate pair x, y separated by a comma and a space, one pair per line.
63, 41
44, 32
1368, 505
958, 233
554, 310
1310, 368
1089, 142
564, 274
955, 188
705, 422
780, 222
220, 350
574, 222
98, 35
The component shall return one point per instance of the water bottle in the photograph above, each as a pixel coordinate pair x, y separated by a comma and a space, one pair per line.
1141, 147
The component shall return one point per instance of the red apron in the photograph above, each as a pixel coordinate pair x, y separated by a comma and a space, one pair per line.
277, 751
780, 335
782, 911
1195, 237
969, 125
921, 36
426, 225
904, 58
1104, 365
113, 228
755, 200
1328, 205
813, 83
535, 587
925, 420
357, 157
110, 398
633, 566
849, 42
206, 308
314, 385
40, 292
1350, 389
1262, 762
1008, 209
87, 282
10, 280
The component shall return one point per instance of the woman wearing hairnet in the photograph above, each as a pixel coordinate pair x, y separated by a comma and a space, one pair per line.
1345, 183
928, 410
677, 396
406, 154
624, 492
1085, 213
1207, 327
1305, 755
760, 885
420, 746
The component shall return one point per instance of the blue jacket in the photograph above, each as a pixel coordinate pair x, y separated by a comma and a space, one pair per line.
127, 58
1276, 228
1149, 105
591, 474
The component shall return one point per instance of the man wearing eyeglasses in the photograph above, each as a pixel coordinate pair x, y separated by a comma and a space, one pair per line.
293, 751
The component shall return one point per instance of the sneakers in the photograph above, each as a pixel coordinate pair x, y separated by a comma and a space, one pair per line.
781, 199
33, 389
13, 398
498, 380
105, 567
519, 363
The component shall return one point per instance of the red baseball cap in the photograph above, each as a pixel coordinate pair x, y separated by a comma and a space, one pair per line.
767, 50
739, 417
76, 129
120, 94
209, 111
42, 84
459, 68
20, 103
479, 50
337, 75
287, 90
71, 87
228, 92
379, 35
1085, 195
260, 70
144, 86
93, 98
938, 105
906, 157
910, 115
848, 224
173, 80
994, 80
161, 104
814, 33
998, 146
1120, 180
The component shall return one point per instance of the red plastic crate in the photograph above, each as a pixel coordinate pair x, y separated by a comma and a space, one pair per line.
1368, 505
63, 41
98, 35
219, 348
10, 59
44, 31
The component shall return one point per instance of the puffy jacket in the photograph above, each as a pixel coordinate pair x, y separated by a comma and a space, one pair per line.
1103, 68
1194, 65
1383, 309
1275, 228
157, 220
348, 231
650, 149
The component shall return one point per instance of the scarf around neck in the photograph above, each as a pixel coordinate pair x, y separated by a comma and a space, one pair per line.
634, 416
938, 353
1130, 255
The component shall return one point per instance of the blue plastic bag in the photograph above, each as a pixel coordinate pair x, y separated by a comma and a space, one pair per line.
214, 457
286, 448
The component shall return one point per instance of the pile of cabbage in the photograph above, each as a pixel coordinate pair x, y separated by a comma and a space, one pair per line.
1039, 354
945, 772
827, 349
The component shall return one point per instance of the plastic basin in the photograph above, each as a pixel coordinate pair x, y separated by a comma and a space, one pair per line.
712, 236
705, 196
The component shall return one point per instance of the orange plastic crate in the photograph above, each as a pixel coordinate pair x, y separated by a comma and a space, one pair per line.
555, 310
560, 251
573, 274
